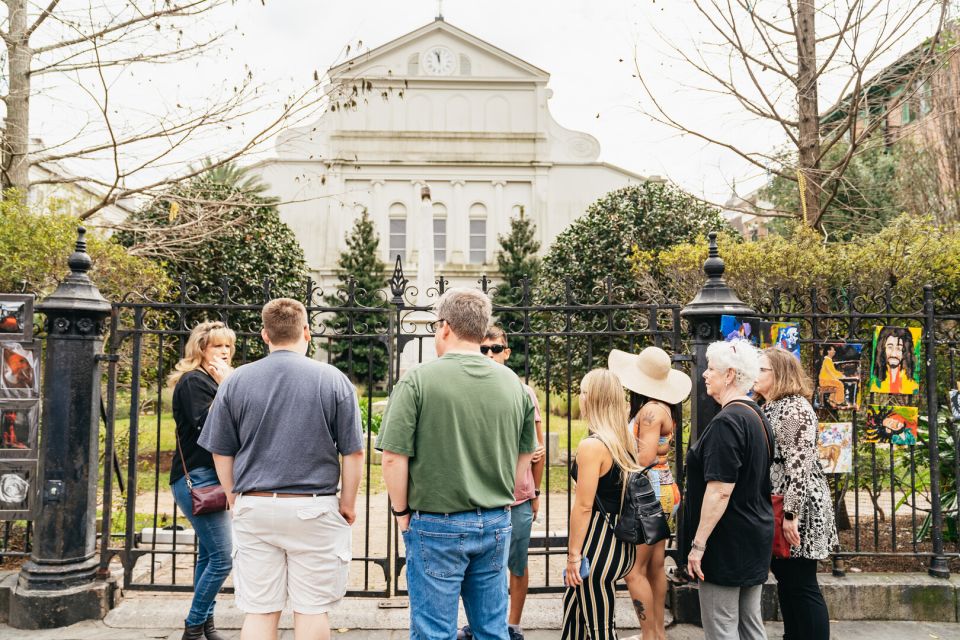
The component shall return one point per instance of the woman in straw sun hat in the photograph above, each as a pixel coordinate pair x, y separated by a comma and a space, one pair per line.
657, 391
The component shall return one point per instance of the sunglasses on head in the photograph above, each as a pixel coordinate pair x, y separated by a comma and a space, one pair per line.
496, 348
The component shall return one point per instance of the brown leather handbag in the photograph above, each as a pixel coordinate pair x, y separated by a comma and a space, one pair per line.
205, 500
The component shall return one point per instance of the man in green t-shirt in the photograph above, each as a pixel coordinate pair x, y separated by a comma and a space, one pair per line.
455, 433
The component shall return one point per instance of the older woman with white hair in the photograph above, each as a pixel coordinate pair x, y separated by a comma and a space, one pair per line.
728, 515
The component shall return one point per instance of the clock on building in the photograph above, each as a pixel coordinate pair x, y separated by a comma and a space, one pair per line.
438, 61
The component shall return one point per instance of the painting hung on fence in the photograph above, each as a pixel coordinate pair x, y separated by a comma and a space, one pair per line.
835, 447
16, 317
785, 335
895, 360
19, 373
734, 328
18, 429
890, 424
839, 377
955, 404
16, 494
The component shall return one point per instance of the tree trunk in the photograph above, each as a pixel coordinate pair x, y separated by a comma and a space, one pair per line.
16, 163
808, 112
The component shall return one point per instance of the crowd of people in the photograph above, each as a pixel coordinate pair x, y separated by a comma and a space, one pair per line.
463, 460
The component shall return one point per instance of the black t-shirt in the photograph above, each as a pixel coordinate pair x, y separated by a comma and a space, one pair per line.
192, 398
733, 449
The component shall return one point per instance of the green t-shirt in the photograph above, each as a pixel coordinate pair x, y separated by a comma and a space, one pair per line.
463, 419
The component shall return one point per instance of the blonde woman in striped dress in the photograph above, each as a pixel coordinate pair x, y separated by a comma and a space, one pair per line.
603, 459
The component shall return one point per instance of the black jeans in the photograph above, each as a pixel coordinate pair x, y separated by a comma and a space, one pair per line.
802, 607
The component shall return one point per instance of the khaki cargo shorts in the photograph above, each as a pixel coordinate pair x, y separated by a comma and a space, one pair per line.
289, 549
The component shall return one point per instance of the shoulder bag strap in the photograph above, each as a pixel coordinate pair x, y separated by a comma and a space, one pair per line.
186, 474
763, 426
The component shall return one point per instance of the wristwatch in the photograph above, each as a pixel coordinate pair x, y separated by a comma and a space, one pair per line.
405, 512
536, 493
789, 515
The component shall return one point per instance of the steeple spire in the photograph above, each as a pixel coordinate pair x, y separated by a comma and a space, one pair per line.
439, 10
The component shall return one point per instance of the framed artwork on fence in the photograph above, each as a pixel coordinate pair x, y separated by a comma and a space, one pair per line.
895, 360
839, 377
955, 404
17, 493
19, 370
890, 424
835, 447
19, 423
785, 335
16, 317
733, 328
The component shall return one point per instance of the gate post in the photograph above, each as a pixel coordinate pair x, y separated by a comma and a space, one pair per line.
703, 316
57, 586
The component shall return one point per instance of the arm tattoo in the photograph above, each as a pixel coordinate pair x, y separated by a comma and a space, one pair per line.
648, 417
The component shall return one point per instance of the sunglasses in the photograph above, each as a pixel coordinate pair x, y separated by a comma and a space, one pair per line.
496, 348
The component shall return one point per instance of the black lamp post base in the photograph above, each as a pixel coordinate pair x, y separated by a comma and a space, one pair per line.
40, 576
49, 609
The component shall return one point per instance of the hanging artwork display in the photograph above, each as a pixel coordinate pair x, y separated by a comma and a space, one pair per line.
955, 404
16, 496
19, 370
733, 328
19, 421
785, 335
895, 360
835, 447
839, 377
890, 424
16, 317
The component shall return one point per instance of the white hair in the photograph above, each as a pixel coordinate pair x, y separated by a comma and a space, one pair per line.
739, 355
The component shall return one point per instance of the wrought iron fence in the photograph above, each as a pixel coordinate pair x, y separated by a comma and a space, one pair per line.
560, 342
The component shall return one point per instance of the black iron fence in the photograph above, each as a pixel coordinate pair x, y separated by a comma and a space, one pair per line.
373, 344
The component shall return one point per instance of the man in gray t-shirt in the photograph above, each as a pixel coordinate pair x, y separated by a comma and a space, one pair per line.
277, 430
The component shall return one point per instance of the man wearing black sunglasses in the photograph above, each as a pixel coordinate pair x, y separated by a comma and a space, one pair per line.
526, 499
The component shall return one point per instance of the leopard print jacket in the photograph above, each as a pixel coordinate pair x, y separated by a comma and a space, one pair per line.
796, 474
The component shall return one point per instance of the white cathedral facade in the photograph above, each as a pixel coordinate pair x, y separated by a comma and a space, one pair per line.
444, 109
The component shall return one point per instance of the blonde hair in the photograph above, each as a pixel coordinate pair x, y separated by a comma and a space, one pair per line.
789, 378
201, 336
605, 409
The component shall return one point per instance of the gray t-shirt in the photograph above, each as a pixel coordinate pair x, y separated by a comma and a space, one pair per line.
284, 419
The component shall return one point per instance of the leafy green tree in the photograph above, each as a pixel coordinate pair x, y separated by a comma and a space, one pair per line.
35, 247
362, 276
519, 268
243, 238
591, 263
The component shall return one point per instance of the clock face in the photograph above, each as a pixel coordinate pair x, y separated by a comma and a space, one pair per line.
438, 61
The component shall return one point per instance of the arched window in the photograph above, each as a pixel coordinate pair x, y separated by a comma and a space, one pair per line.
413, 64
478, 233
398, 231
439, 233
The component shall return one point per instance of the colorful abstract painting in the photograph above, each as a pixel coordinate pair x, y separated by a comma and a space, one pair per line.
733, 328
890, 424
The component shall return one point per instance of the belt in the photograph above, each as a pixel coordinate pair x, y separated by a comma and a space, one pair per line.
453, 513
277, 494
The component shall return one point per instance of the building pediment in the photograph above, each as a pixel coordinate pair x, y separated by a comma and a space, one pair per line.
438, 51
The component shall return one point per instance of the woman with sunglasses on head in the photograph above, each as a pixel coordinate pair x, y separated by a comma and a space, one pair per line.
204, 366
727, 511
808, 522
604, 459
657, 389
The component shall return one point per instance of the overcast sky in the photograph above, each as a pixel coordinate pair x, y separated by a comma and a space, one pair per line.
588, 47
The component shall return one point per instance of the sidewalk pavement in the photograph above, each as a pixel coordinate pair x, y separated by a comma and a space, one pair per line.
145, 616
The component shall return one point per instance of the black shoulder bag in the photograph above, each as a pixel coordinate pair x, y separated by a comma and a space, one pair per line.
642, 520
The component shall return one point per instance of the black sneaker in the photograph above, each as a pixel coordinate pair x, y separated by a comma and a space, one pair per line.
514, 634
465, 633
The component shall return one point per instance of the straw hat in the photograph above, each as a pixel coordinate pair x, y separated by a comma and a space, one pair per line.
649, 373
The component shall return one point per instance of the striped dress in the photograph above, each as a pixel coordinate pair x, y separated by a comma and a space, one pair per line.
588, 609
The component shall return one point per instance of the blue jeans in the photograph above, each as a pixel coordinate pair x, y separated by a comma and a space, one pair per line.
454, 555
214, 546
